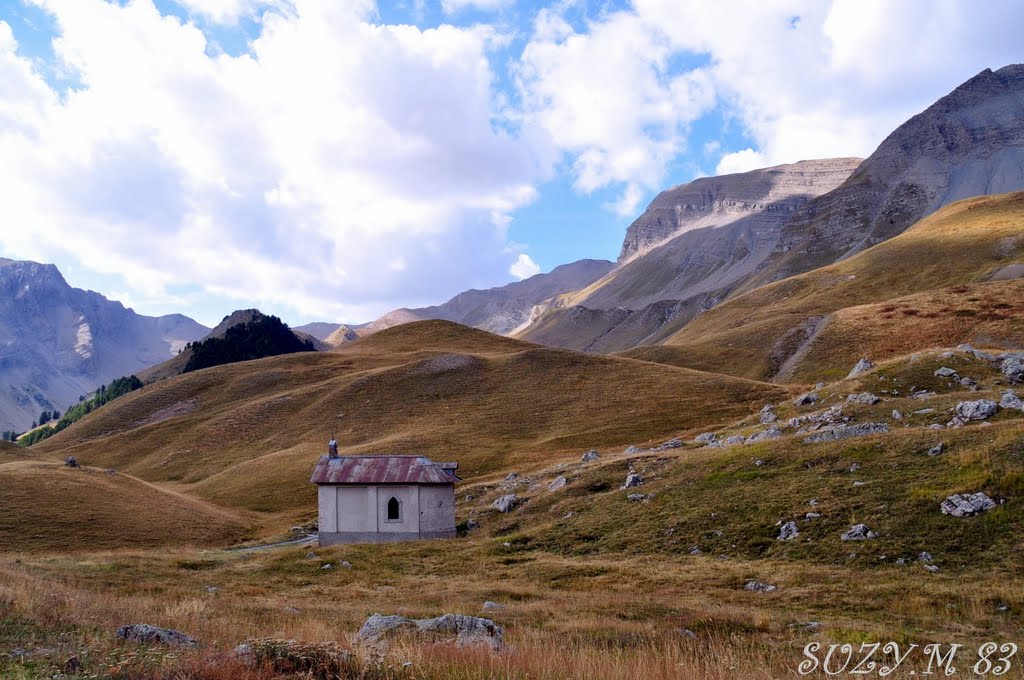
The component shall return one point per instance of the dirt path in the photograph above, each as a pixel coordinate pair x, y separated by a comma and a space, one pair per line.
787, 368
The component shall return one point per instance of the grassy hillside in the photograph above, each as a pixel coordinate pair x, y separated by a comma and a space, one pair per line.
46, 506
951, 254
246, 435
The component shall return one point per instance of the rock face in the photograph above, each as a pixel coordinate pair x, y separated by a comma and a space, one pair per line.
968, 143
501, 310
145, 633
967, 504
467, 630
59, 342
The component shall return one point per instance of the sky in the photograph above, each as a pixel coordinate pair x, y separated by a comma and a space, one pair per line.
331, 160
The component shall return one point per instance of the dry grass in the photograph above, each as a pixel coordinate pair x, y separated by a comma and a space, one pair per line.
252, 438
47, 506
959, 246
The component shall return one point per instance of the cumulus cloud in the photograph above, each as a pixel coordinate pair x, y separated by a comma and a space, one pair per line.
608, 98
452, 6
740, 161
524, 267
339, 170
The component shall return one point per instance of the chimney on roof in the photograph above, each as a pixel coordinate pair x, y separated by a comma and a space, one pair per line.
332, 448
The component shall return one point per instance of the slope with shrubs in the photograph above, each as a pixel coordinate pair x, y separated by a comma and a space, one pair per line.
958, 256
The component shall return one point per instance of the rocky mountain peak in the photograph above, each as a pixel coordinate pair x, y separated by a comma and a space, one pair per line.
711, 201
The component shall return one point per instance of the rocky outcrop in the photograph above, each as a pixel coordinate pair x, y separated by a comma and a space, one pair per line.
466, 630
968, 143
147, 634
58, 343
837, 432
981, 409
505, 503
967, 504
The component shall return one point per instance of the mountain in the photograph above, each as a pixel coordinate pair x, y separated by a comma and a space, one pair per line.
58, 343
318, 329
686, 252
501, 310
710, 240
243, 335
341, 335
954, 277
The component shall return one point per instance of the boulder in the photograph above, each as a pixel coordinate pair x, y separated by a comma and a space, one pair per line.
705, 438
147, 634
860, 368
1010, 400
493, 607
638, 498
924, 556
633, 479
859, 532
631, 450
767, 415
467, 630
967, 504
806, 399
937, 449
556, 483
505, 503
976, 410
946, 372
735, 440
511, 477
837, 432
591, 456
758, 587
788, 532
865, 398
764, 435
670, 444
812, 515
72, 462
1013, 369
293, 658
896, 415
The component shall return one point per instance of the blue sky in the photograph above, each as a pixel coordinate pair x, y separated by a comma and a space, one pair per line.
335, 160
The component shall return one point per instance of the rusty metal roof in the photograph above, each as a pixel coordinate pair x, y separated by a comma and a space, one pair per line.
380, 470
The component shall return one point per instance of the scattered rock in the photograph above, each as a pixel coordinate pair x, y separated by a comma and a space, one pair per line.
311, 556
937, 449
976, 410
72, 462
630, 450
859, 532
592, 455
147, 634
670, 444
687, 633
493, 607
967, 381
759, 463
830, 416
836, 432
859, 483
931, 567
924, 411
788, 531
705, 438
1011, 401
735, 440
809, 627
505, 503
922, 394
327, 567
213, 590
633, 479
860, 368
946, 372
639, 497
896, 415
472, 524
865, 398
695, 550
764, 435
967, 504
813, 502
854, 467
759, 587
556, 483
924, 556
345, 565
1013, 369
767, 415
806, 399
468, 630
511, 477
111, 472
812, 515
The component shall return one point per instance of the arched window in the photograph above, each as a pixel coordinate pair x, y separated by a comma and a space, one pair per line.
394, 509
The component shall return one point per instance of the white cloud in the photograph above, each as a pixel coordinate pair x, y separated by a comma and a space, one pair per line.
524, 267
453, 6
341, 169
608, 98
226, 11
740, 161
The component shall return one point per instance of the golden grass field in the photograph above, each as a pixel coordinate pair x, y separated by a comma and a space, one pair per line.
215, 462
936, 275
